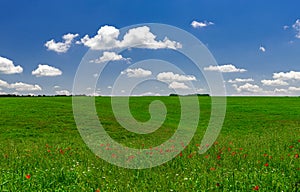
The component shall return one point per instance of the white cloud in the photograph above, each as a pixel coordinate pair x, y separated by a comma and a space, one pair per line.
296, 27
239, 80
229, 68
275, 82
3, 93
61, 47
105, 39
262, 49
4, 84
109, 87
109, 56
170, 76
46, 70
248, 87
56, 87
141, 37
148, 94
63, 92
294, 88
178, 85
137, 73
292, 75
285, 27
7, 66
280, 90
197, 24
95, 75
20, 86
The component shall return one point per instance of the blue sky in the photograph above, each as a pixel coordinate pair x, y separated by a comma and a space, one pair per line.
255, 45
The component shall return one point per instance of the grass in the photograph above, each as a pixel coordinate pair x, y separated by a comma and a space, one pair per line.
258, 148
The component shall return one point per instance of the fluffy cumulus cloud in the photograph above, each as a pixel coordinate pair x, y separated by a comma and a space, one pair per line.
229, 68
178, 85
20, 86
4, 84
61, 47
141, 37
46, 70
275, 82
137, 73
239, 80
197, 24
106, 38
170, 77
7, 66
294, 88
248, 87
262, 49
62, 92
109, 56
291, 75
280, 91
285, 27
296, 27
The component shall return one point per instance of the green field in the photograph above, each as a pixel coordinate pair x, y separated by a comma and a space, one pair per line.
257, 149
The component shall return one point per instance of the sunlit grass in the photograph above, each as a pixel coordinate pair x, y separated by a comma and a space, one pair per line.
258, 148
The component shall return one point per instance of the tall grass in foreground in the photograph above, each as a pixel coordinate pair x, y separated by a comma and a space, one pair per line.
257, 150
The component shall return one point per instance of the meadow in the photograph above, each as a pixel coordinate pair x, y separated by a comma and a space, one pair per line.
257, 150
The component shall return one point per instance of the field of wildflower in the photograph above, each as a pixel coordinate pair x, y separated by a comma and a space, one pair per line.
257, 150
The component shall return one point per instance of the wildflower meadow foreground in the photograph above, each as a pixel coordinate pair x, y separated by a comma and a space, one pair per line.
257, 150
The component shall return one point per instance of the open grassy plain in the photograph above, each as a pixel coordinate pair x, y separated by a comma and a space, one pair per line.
258, 148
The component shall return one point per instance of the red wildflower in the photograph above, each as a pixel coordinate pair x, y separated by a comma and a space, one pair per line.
207, 156
266, 164
113, 155
180, 154
197, 145
233, 153
265, 155
97, 190
299, 140
296, 156
241, 149
27, 176
48, 150
291, 146
256, 188
131, 157
219, 157
216, 142
229, 149
61, 151
212, 168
